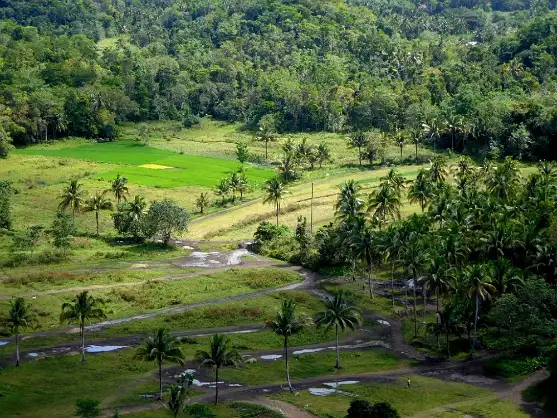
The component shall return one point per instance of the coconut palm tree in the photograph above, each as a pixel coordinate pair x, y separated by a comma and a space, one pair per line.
506, 278
437, 277
202, 202
119, 188
385, 203
390, 245
83, 308
400, 140
287, 167
96, 203
72, 197
349, 204
19, 317
358, 140
421, 190
454, 124
432, 130
286, 324
223, 189
446, 323
416, 137
137, 208
160, 347
176, 395
362, 243
275, 193
476, 282
341, 315
323, 154
396, 180
437, 170
219, 355
502, 181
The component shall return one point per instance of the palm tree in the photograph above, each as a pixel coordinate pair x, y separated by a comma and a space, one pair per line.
396, 180
218, 356
399, 140
137, 208
390, 246
119, 188
287, 323
340, 314
159, 347
96, 203
477, 284
82, 309
202, 202
223, 188
432, 130
414, 257
175, 399
421, 190
72, 197
506, 278
358, 140
437, 171
416, 137
385, 202
437, 278
266, 134
323, 154
275, 194
349, 204
503, 180
362, 243
454, 124
446, 323
287, 167
19, 317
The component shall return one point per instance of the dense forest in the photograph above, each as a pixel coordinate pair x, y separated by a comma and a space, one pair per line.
476, 74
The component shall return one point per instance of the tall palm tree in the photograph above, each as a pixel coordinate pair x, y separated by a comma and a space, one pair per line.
202, 202
414, 257
358, 140
432, 130
159, 347
19, 317
396, 180
400, 140
454, 124
96, 203
275, 193
287, 323
421, 190
362, 243
447, 323
476, 283
390, 246
341, 315
502, 181
349, 204
416, 137
82, 309
437, 170
385, 202
506, 278
72, 197
119, 188
287, 167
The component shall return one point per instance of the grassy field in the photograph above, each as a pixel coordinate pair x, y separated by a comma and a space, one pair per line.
423, 399
152, 296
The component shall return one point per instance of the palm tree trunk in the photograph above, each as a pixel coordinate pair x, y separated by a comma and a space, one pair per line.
266, 147
425, 303
278, 210
369, 281
437, 297
406, 297
337, 348
16, 346
160, 379
448, 346
82, 342
422, 203
416, 150
353, 269
97, 219
360, 155
286, 360
415, 305
217, 386
393, 284
476, 322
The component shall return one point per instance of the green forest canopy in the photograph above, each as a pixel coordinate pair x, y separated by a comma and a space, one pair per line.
323, 65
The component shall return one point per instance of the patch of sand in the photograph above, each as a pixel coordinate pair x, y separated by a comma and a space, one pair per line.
156, 166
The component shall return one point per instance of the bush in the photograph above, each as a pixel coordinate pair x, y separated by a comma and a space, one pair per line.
509, 365
87, 408
190, 120
360, 408
197, 410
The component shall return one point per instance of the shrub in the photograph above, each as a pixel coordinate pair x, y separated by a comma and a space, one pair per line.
197, 410
87, 408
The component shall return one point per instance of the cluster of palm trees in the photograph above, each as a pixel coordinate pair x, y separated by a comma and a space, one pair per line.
73, 198
236, 183
476, 238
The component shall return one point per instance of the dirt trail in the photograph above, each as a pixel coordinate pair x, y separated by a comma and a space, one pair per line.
285, 408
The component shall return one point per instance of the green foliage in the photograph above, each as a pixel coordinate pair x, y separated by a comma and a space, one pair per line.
87, 408
198, 410
360, 408
242, 152
129, 220
165, 218
6, 192
63, 228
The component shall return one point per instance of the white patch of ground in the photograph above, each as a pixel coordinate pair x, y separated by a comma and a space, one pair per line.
335, 385
139, 266
3, 343
327, 392
308, 351
271, 357
104, 348
382, 322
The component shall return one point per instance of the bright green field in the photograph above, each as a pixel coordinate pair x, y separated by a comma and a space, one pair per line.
184, 170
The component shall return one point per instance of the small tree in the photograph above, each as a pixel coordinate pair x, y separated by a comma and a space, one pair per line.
6, 192
203, 202
18, 317
130, 217
223, 189
176, 394
165, 218
82, 309
242, 152
160, 347
304, 238
5, 143
360, 408
63, 229
358, 140
323, 154
97, 203
27, 241
87, 408
119, 188
72, 197
267, 131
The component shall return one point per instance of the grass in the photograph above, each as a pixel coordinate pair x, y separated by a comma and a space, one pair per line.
310, 365
183, 170
223, 410
152, 296
422, 399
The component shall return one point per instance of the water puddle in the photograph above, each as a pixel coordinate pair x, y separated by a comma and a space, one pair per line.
234, 385
33, 355
200, 384
327, 392
3, 343
307, 351
271, 357
147, 396
335, 385
382, 322
104, 348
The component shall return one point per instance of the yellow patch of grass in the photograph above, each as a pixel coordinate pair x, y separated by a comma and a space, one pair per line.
155, 166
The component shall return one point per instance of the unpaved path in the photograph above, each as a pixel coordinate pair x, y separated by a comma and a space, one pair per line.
285, 408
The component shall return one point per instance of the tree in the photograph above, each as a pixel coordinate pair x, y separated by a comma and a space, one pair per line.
160, 347
129, 219
275, 193
223, 189
341, 315
385, 203
87, 408
360, 408
416, 137
242, 152
83, 308
414, 257
175, 403
437, 171
119, 188
421, 190
358, 140
63, 229
27, 241
446, 323
454, 124
165, 218
323, 154
5, 143
432, 130
287, 167
286, 324
96, 203
304, 238
203, 202
219, 355
400, 141
502, 181
476, 282
6, 192
362, 244
72, 197
19, 317
267, 131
